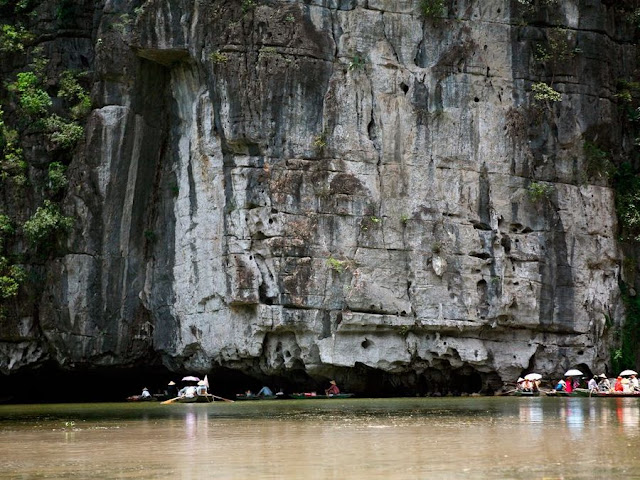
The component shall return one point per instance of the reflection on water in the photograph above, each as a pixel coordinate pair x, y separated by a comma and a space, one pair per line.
357, 438
531, 412
579, 414
628, 415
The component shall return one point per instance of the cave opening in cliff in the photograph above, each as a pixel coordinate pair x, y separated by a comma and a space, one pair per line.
50, 383
466, 383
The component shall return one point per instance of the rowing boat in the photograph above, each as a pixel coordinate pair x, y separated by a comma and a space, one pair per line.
584, 392
140, 398
617, 394
205, 398
558, 393
520, 393
312, 395
244, 397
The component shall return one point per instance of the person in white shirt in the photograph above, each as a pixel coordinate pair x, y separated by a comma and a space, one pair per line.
202, 388
188, 391
605, 384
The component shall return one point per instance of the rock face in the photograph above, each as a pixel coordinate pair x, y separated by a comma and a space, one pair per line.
339, 188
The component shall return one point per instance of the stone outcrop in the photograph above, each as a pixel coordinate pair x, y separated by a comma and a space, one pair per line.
318, 188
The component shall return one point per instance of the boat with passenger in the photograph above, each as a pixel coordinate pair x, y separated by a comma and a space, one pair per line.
198, 398
558, 393
196, 391
250, 397
144, 397
583, 392
523, 393
314, 396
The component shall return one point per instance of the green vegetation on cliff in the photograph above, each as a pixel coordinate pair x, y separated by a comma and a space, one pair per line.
606, 158
42, 107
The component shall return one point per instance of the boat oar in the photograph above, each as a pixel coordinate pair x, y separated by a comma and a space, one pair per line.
507, 392
221, 398
171, 400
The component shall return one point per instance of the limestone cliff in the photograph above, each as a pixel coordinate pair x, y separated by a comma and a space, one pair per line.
337, 188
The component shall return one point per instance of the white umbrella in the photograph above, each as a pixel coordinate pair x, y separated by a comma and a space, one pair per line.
573, 373
627, 373
190, 378
533, 376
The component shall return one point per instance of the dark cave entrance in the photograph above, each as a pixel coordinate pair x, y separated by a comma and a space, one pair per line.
50, 383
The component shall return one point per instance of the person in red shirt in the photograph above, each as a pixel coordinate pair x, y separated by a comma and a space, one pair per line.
618, 385
333, 389
569, 385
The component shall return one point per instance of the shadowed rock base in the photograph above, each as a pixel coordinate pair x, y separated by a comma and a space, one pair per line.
49, 384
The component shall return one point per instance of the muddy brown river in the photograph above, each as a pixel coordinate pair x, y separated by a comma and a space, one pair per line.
419, 438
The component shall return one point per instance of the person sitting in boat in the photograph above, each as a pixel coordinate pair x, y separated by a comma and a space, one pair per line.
604, 385
145, 395
634, 385
172, 390
333, 389
617, 387
188, 391
265, 392
568, 385
561, 386
593, 385
626, 385
249, 394
201, 389
520, 384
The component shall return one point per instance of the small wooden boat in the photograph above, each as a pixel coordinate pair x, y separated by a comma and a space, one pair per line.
558, 393
616, 394
585, 392
244, 397
313, 395
206, 398
140, 398
582, 392
521, 393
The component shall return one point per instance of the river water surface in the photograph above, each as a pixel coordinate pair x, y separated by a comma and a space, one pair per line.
421, 438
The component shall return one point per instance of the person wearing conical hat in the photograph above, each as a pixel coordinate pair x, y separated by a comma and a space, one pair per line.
172, 389
333, 389
626, 384
604, 385
201, 389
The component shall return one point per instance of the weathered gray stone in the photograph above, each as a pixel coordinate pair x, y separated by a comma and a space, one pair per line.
320, 185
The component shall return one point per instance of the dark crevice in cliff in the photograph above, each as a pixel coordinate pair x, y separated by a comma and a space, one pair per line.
335, 35
391, 45
296, 306
68, 33
374, 310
